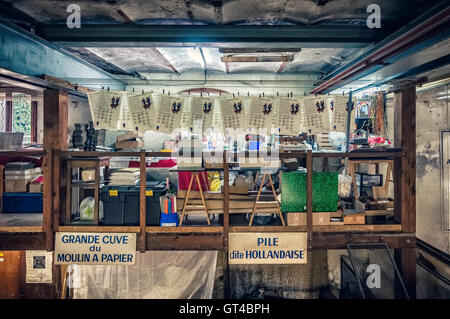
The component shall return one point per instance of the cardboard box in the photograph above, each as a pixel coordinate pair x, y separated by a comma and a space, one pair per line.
36, 187
17, 181
130, 144
238, 190
129, 136
299, 219
355, 219
18, 185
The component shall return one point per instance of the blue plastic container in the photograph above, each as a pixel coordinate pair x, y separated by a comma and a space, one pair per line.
22, 203
169, 219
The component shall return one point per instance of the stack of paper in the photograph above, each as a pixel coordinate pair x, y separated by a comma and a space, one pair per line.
124, 176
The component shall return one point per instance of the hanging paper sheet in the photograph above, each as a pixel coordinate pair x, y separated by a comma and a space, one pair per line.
316, 115
338, 113
125, 122
143, 111
290, 116
105, 108
217, 125
260, 114
198, 109
168, 114
233, 113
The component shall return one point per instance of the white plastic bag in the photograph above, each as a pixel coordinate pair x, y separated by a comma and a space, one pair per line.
87, 209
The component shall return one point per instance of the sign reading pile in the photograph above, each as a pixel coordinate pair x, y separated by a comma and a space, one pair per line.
267, 248
95, 248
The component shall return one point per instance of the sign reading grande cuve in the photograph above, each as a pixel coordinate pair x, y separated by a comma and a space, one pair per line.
267, 248
95, 248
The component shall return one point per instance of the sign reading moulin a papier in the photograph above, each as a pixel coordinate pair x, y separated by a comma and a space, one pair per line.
267, 248
95, 248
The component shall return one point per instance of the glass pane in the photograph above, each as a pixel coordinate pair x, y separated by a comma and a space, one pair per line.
21, 117
374, 267
2, 112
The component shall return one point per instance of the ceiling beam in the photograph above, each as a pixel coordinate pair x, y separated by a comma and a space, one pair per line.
257, 50
430, 28
165, 61
281, 68
24, 53
250, 59
243, 36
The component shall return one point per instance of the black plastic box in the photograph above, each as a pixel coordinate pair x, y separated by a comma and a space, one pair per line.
121, 204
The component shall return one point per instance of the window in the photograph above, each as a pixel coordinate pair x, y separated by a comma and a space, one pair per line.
2, 112
21, 115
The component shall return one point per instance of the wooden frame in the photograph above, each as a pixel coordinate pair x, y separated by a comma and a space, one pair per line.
400, 237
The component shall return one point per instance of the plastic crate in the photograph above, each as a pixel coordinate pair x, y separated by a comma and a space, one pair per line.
169, 219
22, 203
121, 204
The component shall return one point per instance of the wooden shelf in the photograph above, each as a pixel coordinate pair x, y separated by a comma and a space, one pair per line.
20, 229
100, 229
185, 229
23, 153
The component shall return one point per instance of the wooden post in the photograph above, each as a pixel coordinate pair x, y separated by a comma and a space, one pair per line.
142, 203
405, 259
226, 222
34, 108
405, 179
55, 138
309, 211
405, 167
8, 112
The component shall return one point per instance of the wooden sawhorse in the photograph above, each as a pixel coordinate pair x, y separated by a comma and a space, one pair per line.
266, 173
194, 174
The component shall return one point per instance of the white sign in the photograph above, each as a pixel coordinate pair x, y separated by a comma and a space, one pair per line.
39, 266
95, 248
267, 248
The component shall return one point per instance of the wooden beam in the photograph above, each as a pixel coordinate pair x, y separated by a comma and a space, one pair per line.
142, 202
406, 262
55, 138
405, 167
340, 240
226, 224
8, 113
258, 50
175, 242
185, 229
261, 59
34, 110
309, 186
23, 241
66, 84
100, 229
